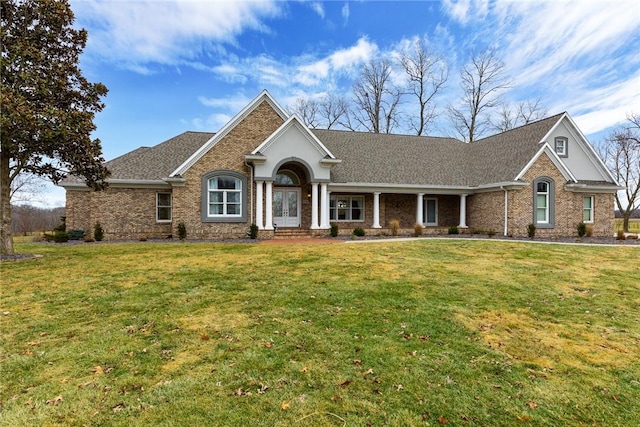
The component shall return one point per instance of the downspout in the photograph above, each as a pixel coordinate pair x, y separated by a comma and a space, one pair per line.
506, 210
251, 186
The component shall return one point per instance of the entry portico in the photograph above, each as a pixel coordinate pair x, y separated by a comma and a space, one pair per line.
292, 144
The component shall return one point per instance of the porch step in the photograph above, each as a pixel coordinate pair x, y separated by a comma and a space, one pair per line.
292, 233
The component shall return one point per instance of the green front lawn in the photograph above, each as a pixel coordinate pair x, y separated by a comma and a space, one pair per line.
429, 332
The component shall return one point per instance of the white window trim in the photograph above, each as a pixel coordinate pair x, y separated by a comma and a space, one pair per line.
546, 205
334, 209
170, 206
426, 211
591, 209
225, 203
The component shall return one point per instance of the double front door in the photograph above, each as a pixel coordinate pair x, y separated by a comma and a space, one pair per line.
286, 207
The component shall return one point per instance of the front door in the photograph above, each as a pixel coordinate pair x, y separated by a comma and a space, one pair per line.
286, 207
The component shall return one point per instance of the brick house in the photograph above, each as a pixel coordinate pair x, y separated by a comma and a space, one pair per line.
266, 167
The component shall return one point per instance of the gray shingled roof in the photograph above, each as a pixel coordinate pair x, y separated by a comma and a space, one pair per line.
400, 159
157, 162
374, 158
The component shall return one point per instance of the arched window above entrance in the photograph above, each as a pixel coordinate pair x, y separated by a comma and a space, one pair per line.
286, 177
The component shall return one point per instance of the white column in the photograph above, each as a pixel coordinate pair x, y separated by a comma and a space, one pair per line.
324, 206
506, 212
314, 206
420, 209
376, 210
269, 206
463, 211
259, 210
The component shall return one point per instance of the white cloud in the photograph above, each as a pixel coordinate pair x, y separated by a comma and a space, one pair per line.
343, 61
465, 11
574, 55
132, 33
234, 103
346, 12
318, 8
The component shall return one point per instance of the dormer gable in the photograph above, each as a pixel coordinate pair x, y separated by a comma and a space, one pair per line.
292, 141
575, 152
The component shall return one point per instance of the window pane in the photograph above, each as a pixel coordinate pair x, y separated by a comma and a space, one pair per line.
215, 196
543, 187
356, 202
542, 201
287, 178
541, 215
164, 214
293, 204
233, 209
277, 203
164, 199
233, 197
431, 211
587, 202
228, 183
216, 209
356, 214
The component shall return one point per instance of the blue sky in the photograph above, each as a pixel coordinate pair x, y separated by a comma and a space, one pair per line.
191, 65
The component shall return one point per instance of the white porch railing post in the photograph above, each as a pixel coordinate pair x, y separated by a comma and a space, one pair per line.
324, 206
314, 206
269, 206
259, 210
420, 209
376, 210
463, 211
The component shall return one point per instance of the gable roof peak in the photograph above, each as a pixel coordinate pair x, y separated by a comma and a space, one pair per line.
264, 96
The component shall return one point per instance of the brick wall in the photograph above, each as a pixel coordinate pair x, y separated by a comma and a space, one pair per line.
568, 206
123, 213
485, 212
227, 154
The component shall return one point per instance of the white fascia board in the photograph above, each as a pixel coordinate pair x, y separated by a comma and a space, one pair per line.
138, 183
122, 183
294, 121
264, 96
175, 181
566, 173
595, 158
553, 129
77, 186
509, 185
256, 159
593, 188
329, 163
354, 187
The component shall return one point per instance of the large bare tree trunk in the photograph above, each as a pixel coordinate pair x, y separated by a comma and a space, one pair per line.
6, 232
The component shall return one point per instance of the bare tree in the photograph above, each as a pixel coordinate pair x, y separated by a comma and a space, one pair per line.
25, 188
307, 111
509, 117
332, 109
427, 74
376, 98
482, 81
621, 153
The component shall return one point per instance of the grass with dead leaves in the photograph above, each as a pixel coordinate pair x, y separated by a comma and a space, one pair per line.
429, 332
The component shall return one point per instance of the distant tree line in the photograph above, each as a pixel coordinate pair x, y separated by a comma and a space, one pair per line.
27, 219
402, 94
